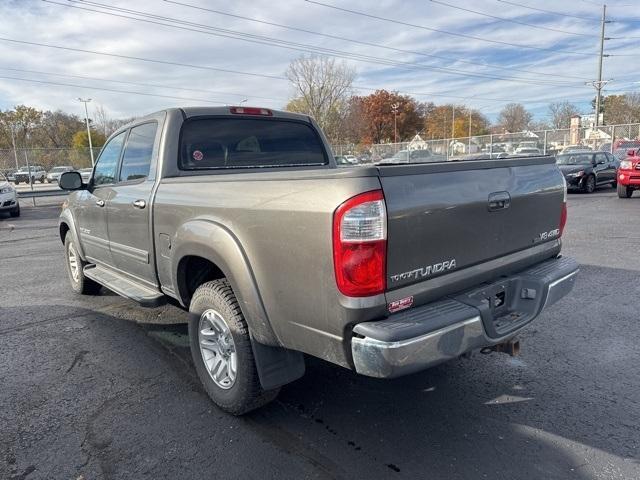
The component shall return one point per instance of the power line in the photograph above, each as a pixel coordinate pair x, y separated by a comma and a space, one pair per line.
152, 85
270, 41
359, 42
102, 89
141, 59
511, 20
187, 65
562, 14
407, 24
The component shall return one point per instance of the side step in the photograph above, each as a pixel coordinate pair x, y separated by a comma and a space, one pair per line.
145, 296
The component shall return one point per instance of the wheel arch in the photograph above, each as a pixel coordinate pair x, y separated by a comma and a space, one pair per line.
66, 224
205, 250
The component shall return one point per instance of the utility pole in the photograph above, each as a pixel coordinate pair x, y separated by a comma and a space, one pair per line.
599, 83
86, 118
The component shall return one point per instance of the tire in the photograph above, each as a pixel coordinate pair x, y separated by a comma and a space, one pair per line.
590, 184
212, 303
624, 191
15, 212
79, 283
16, 182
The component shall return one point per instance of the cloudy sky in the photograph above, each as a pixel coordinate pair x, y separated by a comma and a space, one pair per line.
137, 56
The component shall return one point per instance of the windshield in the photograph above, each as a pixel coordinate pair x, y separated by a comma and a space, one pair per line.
223, 143
574, 159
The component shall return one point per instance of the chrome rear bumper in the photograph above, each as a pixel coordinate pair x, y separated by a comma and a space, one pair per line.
379, 349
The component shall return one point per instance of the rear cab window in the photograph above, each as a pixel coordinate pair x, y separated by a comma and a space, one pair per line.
136, 159
237, 143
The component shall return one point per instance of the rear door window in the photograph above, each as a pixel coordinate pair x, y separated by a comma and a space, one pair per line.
136, 159
227, 143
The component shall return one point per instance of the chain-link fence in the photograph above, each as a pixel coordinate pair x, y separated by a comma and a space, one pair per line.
609, 138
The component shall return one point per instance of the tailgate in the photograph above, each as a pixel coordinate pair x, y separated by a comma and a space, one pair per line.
445, 217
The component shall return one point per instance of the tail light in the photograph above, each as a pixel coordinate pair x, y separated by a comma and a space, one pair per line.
360, 245
251, 111
563, 217
563, 212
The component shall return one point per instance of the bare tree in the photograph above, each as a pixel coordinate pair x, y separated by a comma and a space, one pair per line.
514, 117
322, 87
561, 113
106, 124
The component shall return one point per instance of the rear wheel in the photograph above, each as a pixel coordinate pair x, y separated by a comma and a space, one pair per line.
75, 266
590, 184
624, 191
221, 350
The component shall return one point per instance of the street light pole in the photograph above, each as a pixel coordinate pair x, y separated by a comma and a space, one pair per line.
395, 107
86, 118
13, 142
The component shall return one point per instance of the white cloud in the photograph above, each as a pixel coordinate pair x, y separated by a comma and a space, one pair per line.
41, 22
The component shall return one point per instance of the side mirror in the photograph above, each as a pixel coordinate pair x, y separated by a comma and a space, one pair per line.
71, 181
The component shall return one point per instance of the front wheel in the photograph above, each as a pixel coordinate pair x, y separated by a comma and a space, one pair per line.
590, 184
75, 265
221, 350
624, 191
15, 212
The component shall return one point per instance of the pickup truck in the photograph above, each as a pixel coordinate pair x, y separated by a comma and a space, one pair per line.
31, 174
242, 216
629, 174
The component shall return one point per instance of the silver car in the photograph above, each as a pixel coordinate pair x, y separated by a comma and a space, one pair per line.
54, 174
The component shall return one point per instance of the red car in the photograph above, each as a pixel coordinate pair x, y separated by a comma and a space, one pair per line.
629, 174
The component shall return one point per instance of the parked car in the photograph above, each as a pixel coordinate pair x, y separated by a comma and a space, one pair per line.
576, 148
629, 174
527, 152
342, 160
587, 170
31, 174
85, 174
527, 144
415, 156
8, 197
351, 159
242, 216
621, 147
10, 174
54, 174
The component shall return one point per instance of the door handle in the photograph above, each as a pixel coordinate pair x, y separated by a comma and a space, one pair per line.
100, 203
140, 204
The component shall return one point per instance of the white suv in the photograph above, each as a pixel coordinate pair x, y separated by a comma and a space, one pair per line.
8, 198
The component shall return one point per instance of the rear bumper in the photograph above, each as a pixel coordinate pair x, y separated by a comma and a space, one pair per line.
420, 338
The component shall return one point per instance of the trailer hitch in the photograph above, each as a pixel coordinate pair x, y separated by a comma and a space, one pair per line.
511, 347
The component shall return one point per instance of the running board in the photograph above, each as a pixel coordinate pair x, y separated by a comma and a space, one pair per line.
145, 296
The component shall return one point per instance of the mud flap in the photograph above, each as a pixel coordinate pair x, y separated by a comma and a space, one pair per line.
277, 366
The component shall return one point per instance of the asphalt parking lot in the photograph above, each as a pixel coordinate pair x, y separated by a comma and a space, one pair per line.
89, 389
